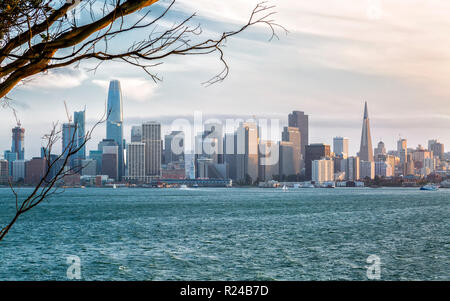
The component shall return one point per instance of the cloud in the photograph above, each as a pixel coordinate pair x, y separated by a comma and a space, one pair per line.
133, 88
64, 78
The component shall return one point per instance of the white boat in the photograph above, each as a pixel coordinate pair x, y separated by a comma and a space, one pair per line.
429, 187
445, 184
307, 185
114, 186
183, 186
284, 188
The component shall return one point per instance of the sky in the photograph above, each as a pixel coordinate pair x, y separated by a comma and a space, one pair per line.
393, 54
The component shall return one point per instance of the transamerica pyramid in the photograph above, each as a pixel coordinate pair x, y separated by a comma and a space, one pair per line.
366, 150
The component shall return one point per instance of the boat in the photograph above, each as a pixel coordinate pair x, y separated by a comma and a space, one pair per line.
429, 187
114, 186
183, 186
307, 185
445, 184
284, 188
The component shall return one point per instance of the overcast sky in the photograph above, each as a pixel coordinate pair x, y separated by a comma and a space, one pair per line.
393, 54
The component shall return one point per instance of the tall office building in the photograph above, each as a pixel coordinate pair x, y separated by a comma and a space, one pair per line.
69, 142
437, 148
268, 160
247, 162
136, 133
366, 150
151, 136
352, 168
214, 131
313, 152
292, 134
299, 120
18, 170
18, 134
136, 161
110, 162
288, 159
367, 169
114, 122
79, 119
340, 146
380, 149
402, 150
174, 147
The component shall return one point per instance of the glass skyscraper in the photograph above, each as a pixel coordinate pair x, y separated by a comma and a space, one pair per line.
114, 122
79, 121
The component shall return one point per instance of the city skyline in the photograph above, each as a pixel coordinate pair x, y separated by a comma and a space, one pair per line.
328, 58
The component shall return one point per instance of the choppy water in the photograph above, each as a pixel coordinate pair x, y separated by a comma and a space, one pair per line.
230, 234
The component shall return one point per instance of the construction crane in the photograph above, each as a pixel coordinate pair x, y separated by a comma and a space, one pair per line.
17, 119
69, 117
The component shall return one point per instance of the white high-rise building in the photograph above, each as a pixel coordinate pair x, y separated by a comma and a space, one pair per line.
322, 170
151, 137
340, 146
136, 161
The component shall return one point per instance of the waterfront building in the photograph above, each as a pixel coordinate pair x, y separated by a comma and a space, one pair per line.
322, 170
340, 146
288, 157
151, 137
367, 169
4, 172
96, 155
214, 133
174, 147
35, 170
136, 161
352, 168
268, 160
114, 123
437, 148
292, 134
313, 152
300, 120
18, 170
110, 161
383, 169
366, 150
89, 167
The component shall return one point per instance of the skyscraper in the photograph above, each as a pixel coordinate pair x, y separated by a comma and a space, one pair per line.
366, 150
114, 122
402, 150
174, 147
315, 152
292, 134
136, 133
299, 120
136, 161
340, 146
69, 142
151, 136
79, 119
247, 161
18, 134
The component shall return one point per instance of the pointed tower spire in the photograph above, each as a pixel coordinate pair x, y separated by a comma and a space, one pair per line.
366, 150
